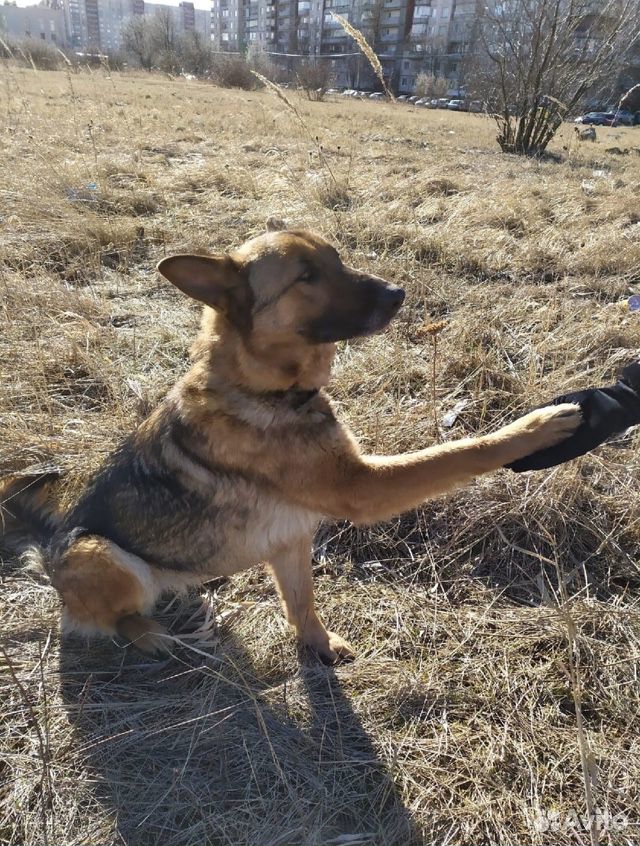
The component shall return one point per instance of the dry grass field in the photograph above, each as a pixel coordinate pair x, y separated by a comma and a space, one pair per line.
498, 630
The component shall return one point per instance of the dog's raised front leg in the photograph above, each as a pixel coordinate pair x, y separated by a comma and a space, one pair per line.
291, 569
336, 480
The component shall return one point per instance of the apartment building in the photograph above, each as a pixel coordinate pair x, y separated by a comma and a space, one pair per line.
45, 22
409, 36
96, 25
239, 24
440, 36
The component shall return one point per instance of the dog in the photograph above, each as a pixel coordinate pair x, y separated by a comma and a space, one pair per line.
245, 455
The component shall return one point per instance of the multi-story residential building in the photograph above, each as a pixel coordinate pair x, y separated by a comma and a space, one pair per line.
97, 25
440, 37
45, 22
238, 24
409, 36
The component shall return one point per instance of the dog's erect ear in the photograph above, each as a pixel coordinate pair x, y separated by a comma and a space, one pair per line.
216, 281
275, 224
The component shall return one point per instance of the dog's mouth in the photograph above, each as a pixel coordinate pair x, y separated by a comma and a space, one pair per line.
379, 321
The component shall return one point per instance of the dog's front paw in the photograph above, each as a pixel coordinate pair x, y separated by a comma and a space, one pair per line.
332, 649
546, 427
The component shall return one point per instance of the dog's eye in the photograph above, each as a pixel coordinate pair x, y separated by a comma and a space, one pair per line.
306, 276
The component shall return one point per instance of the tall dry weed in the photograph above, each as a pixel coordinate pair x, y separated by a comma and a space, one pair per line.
366, 48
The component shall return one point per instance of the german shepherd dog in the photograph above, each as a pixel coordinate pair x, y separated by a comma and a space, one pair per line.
245, 455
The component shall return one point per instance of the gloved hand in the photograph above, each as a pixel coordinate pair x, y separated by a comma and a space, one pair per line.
605, 412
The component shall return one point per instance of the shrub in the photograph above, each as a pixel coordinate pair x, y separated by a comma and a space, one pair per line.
232, 72
36, 54
314, 78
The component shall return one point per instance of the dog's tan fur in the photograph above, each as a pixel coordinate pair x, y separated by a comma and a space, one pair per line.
262, 470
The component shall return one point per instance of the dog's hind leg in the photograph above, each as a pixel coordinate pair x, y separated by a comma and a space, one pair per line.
291, 569
106, 590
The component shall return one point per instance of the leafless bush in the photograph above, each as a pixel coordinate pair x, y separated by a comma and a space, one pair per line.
36, 54
314, 77
538, 59
232, 72
428, 85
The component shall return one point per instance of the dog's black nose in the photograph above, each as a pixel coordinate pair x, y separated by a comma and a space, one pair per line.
392, 298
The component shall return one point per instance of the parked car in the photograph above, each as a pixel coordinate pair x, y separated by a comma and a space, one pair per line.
476, 106
413, 99
457, 105
442, 103
599, 119
402, 98
377, 95
421, 102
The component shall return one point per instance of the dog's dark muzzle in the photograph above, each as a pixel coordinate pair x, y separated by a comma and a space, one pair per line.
391, 299
369, 309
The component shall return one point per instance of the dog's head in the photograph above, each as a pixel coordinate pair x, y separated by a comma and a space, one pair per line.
287, 297
285, 282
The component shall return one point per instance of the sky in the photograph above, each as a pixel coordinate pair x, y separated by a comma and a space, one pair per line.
199, 4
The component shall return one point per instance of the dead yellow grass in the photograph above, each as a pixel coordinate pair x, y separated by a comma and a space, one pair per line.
490, 626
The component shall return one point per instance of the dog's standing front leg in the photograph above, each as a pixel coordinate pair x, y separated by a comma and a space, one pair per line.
291, 569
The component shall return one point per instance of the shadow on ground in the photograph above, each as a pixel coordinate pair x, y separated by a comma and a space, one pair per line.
206, 751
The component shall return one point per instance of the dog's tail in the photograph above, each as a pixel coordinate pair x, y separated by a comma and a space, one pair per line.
29, 514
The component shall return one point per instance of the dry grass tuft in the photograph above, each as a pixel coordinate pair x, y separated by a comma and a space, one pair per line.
498, 630
366, 48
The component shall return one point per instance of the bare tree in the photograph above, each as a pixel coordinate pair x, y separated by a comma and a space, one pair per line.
137, 42
195, 53
536, 60
428, 85
153, 41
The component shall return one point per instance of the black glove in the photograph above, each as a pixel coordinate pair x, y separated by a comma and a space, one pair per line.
605, 412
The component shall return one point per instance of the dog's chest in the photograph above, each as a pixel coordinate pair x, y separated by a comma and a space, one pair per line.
276, 524
258, 532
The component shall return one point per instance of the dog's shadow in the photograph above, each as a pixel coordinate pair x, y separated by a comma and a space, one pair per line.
214, 751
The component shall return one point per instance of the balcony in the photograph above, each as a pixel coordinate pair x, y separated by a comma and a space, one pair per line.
333, 37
